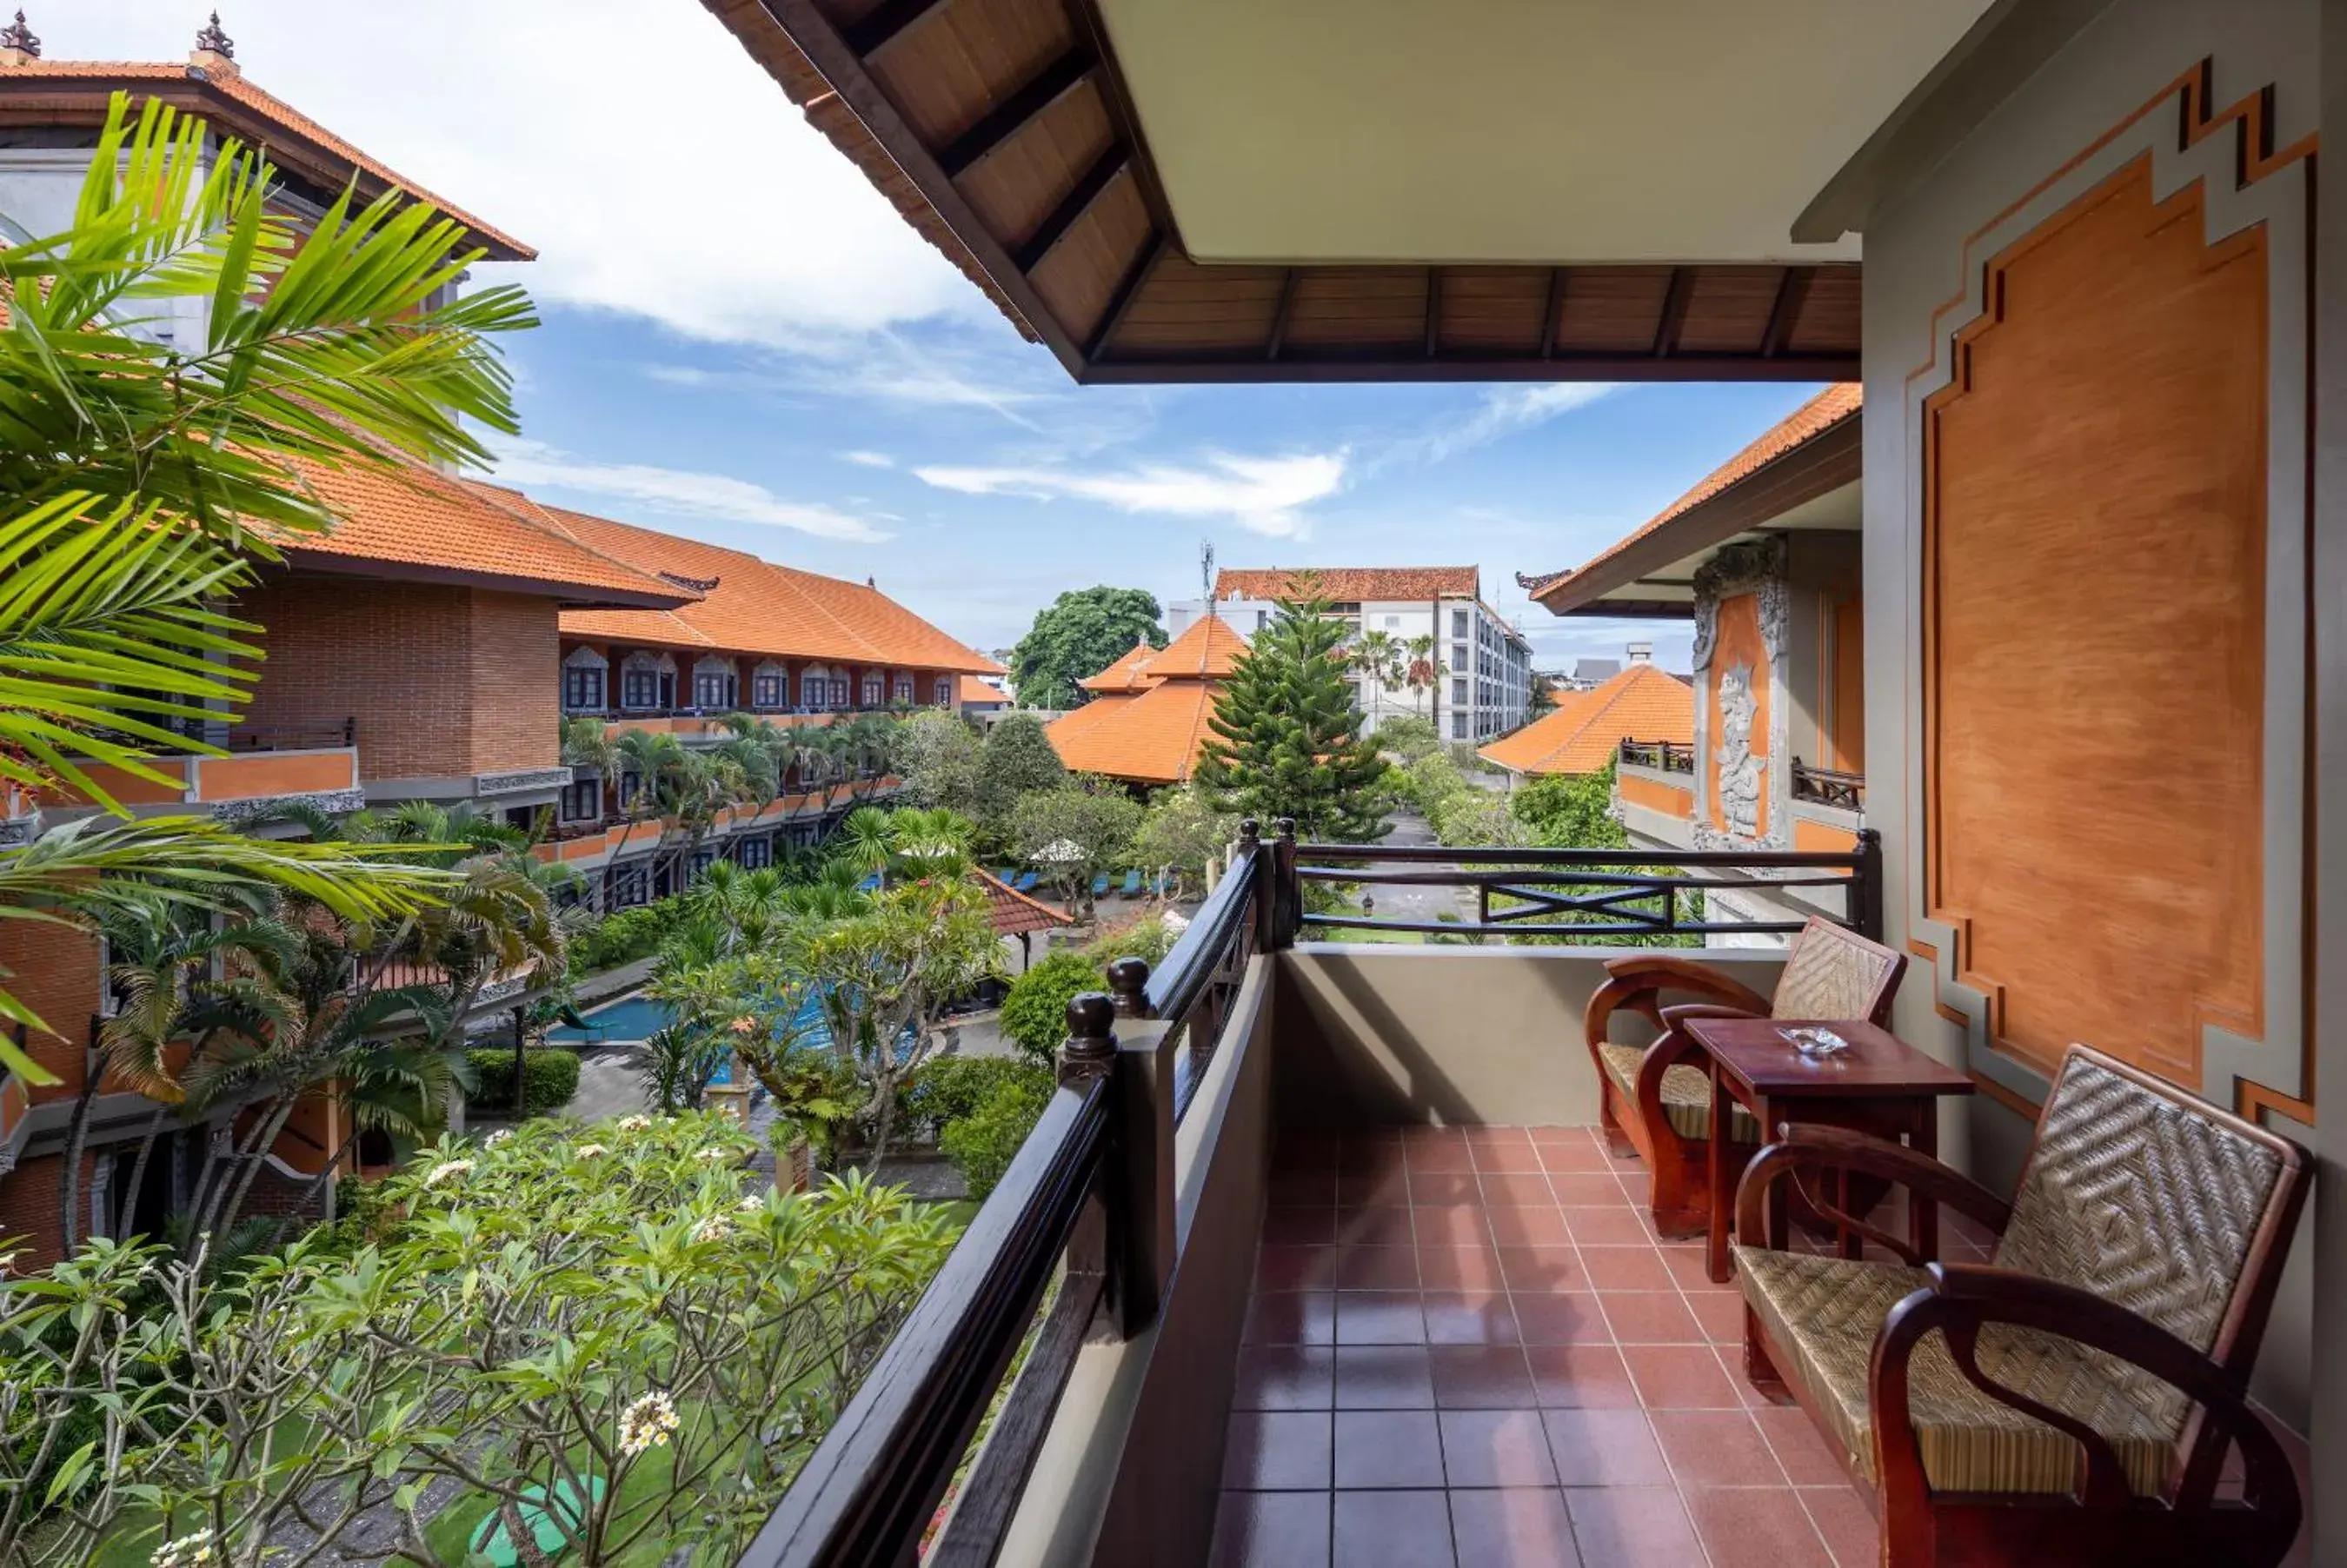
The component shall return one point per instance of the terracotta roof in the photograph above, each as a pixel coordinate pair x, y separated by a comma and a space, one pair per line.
1208, 651
1129, 673
1641, 703
74, 91
1013, 911
411, 522
1350, 584
974, 688
747, 605
1806, 423
1153, 738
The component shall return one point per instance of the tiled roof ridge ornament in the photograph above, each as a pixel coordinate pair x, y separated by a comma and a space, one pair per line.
19, 38
697, 584
212, 40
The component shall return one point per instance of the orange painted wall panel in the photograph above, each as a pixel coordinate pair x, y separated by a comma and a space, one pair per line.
263, 774
1845, 738
2095, 546
1668, 799
1737, 642
131, 790
1821, 839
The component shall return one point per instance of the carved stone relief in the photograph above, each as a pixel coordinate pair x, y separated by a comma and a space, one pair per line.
1744, 776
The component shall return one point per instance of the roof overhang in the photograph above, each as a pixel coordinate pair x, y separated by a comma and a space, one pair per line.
1497, 189
1651, 575
566, 596
41, 99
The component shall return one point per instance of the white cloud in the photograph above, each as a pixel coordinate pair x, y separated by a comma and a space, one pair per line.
658, 169
678, 492
1263, 494
868, 459
1504, 412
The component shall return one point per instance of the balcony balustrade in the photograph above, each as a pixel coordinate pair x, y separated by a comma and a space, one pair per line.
1664, 756
1827, 787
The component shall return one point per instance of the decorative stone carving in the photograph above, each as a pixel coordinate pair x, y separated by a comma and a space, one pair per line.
1743, 777
514, 783
336, 802
1756, 566
20, 829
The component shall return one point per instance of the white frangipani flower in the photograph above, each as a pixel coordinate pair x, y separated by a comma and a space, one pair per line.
646, 1424
447, 1170
188, 1552
589, 1151
633, 1124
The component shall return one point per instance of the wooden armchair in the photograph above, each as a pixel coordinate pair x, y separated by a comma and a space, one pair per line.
2074, 1403
1657, 1101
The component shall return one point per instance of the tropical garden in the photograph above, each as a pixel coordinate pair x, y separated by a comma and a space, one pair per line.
608, 1342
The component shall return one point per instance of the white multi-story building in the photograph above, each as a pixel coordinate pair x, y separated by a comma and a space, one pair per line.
1474, 668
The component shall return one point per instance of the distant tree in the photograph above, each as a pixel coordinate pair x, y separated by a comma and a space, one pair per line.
1183, 829
1409, 737
1572, 811
1073, 834
1287, 738
1084, 633
937, 754
1017, 760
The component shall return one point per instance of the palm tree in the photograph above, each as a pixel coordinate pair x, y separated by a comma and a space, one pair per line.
1425, 671
139, 483
1380, 656
159, 952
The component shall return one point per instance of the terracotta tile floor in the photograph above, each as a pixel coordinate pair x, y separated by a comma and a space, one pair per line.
1468, 1347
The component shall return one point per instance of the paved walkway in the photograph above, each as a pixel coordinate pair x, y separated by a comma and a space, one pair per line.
1406, 901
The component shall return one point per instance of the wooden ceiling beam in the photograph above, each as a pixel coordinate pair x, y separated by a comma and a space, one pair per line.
826, 49
1128, 290
1792, 289
1278, 339
1674, 308
1553, 314
1434, 311
1072, 206
885, 23
1276, 363
1016, 112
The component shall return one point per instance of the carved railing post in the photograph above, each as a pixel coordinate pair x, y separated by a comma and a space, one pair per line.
1251, 849
1139, 1185
1128, 982
1288, 900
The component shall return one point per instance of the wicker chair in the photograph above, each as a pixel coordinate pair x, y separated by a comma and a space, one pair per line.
1655, 1100
2074, 1402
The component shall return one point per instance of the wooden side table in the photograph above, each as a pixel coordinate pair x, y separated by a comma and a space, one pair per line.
1881, 1085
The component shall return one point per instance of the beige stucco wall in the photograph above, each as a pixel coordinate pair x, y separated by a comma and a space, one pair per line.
1915, 261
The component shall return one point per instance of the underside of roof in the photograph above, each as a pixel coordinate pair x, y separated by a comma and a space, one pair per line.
1007, 132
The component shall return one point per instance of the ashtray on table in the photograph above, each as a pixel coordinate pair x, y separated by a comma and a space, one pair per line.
1815, 1044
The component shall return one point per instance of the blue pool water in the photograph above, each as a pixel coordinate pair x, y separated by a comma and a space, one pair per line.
637, 1017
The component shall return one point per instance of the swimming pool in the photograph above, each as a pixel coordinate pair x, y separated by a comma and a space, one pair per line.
637, 1017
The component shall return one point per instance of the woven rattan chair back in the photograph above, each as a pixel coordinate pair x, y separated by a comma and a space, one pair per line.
1834, 972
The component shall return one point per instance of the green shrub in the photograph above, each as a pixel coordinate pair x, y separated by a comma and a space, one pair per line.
624, 936
982, 1144
549, 1077
1035, 1012
951, 1088
1146, 937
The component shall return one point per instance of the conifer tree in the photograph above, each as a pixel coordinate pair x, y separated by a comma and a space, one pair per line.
1287, 739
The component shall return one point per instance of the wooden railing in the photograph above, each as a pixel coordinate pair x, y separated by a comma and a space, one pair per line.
1087, 1202
1825, 786
1666, 756
1592, 895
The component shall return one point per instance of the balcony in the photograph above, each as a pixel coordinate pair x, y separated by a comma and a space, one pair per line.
1659, 756
1317, 1252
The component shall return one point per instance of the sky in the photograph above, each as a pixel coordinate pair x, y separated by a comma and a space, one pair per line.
742, 341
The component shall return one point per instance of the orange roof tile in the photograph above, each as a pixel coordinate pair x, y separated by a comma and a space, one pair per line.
48, 92
1350, 584
1014, 912
1641, 703
1208, 651
1806, 423
410, 521
747, 605
1152, 738
974, 688
1129, 673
